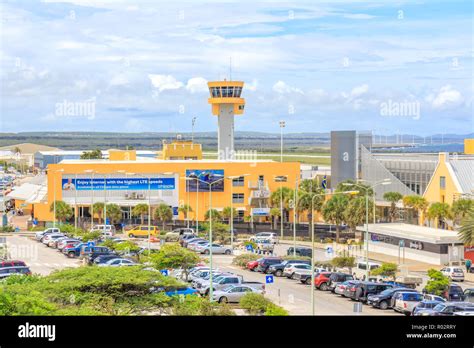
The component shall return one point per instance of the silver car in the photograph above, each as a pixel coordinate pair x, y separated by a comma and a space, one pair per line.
216, 249
233, 293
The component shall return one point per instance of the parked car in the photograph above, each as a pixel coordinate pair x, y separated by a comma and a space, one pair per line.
178, 232
454, 293
52, 243
290, 269
304, 275
321, 281
142, 231
39, 235
300, 251
362, 290
87, 251
265, 246
272, 236
188, 241
198, 245
103, 228
253, 265
277, 269
73, 250
185, 238
469, 295
61, 243
12, 263
225, 280
385, 299
233, 293
51, 237
425, 304
265, 262
431, 297
199, 282
447, 309
216, 249
453, 273
337, 278
103, 258
118, 262
362, 265
340, 287
8, 271
406, 301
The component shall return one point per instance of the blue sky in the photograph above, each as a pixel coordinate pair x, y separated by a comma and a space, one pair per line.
320, 66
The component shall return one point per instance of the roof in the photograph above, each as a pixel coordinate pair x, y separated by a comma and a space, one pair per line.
155, 160
29, 148
30, 193
80, 152
414, 232
464, 172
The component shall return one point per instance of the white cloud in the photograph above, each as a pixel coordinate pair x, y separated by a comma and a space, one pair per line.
119, 80
251, 86
197, 84
359, 90
164, 82
282, 88
446, 96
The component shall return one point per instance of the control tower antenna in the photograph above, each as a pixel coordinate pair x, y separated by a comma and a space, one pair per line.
230, 68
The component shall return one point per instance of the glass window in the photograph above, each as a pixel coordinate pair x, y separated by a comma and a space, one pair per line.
225, 92
238, 181
230, 91
442, 182
238, 198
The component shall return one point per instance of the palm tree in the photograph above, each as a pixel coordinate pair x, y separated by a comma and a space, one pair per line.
216, 215
114, 213
393, 198
185, 209
228, 212
355, 212
439, 212
308, 190
333, 211
140, 210
282, 192
274, 213
163, 213
461, 207
417, 203
99, 210
63, 210
466, 232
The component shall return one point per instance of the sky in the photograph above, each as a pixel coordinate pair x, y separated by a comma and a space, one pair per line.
143, 66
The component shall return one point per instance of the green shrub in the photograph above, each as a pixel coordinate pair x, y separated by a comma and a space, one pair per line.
241, 260
437, 284
274, 310
195, 305
387, 269
343, 262
7, 228
297, 257
254, 304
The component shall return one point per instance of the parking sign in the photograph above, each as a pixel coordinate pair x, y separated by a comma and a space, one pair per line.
90, 244
164, 272
269, 279
249, 247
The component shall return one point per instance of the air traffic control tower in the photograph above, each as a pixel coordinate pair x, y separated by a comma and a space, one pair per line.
226, 102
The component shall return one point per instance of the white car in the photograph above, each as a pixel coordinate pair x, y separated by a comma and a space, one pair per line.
233, 293
405, 302
216, 249
41, 234
289, 270
265, 235
103, 228
431, 297
453, 273
50, 237
117, 263
197, 245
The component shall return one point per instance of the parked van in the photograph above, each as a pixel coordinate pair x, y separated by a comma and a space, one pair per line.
105, 229
142, 231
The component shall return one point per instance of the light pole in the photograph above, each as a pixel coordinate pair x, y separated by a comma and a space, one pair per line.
75, 202
54, 199
92, 195
210, 227
312, 239
193, 122
105, 199
282, 125
295, 198
231, 178
366, 236
280, 179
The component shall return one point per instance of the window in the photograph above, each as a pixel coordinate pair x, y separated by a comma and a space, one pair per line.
442, 182
238, 181
237, 198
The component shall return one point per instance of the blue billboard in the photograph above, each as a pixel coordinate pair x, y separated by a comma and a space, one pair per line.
86, 184
204, 178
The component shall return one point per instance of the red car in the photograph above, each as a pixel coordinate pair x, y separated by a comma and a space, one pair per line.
321, 281
252, 265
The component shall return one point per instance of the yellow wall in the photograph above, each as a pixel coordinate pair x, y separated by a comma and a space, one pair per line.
181, 150
433, 192
26, 209
469, 146
219, 199
122, 155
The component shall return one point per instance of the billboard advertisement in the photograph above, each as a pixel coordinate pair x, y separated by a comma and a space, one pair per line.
86, 184
206, 177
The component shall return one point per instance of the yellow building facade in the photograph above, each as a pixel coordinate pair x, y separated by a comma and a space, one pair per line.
247, 184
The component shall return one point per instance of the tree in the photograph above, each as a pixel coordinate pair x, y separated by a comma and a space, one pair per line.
437, 284
63, 210
228, 212
343, 262
275, 214
99, 210
355, 212
417, 203
185, 209
174, 256
387, 269
140, 210
220, 231
163, 213
393, 198
94, 154
216, 215
439, 212
334, 211
351, 185
461, 207
114, 213
309, 191
287, 194
466, 232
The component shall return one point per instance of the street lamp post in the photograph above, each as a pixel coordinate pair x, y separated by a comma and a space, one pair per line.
282, 125
231, 178
280, 179
295, 200
75, 201
105, 199
54, 195
92, 195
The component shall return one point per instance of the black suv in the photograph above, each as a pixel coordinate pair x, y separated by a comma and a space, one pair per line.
363, 289
277, 269
336, 278
265, 263
386, 298
300, 251
98, 251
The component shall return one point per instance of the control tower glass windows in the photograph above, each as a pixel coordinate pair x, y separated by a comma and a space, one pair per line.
230, 91
225, 92
215, 92
237, 92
